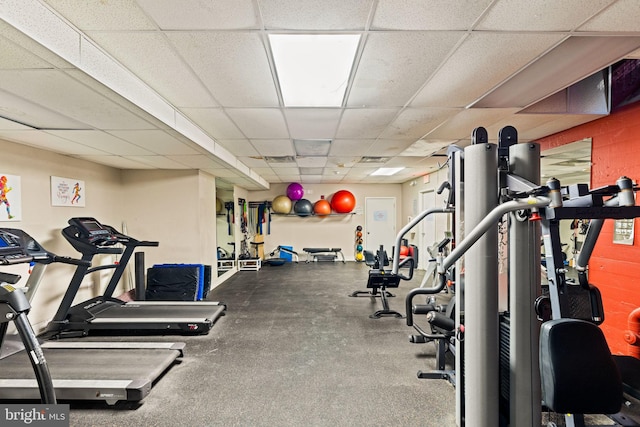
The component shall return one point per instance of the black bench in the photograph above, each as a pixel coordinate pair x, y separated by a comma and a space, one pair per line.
323, 254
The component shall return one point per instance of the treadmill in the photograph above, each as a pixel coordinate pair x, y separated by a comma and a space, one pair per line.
109, 372
108, 315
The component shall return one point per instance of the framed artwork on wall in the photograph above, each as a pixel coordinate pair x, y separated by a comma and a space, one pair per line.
67, 192
10, 198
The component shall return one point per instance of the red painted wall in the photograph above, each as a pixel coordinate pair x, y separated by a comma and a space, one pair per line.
614, 269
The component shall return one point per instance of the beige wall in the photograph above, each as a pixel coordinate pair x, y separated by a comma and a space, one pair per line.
176, 208
43, 222
330, 231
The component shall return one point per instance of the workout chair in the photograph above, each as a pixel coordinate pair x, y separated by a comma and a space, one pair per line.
579, 375
380, 279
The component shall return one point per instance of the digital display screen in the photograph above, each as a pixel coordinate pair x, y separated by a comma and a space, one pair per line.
92, 226
3, 243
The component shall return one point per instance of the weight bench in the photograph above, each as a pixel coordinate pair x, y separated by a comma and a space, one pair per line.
324, 254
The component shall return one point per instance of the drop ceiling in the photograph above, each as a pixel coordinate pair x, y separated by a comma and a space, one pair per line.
191, 84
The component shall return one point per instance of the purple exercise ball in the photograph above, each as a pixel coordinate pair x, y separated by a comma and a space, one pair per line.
295, 191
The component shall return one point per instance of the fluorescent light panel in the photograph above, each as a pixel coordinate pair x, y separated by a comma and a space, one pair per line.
313, 69
386, 171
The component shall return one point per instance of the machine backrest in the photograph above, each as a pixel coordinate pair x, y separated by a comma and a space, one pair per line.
578, 373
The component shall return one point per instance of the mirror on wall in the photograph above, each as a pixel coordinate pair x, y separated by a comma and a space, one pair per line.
570, 164
225, 240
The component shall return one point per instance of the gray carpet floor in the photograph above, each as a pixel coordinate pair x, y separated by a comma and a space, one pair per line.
293, 350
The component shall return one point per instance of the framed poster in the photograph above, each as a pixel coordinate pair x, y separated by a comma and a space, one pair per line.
67, 192
10, 198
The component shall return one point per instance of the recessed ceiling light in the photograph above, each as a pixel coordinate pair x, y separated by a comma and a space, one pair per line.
313, 69
387, 171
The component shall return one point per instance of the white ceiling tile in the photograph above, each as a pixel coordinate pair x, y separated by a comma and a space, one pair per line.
414, 123
342, 162
571, 61
266, 170
159, 162
70, 98
428, 15
259, 122
462, 124
539, 15
405, 161
233, 65
201, 14
426, 147
394, 65
274, 147
311, 162
46, 141
623, 15
239, 147
103, 15
315, 15
365, 122
33, 114
101, 89
288, 170
11, 125
312, 123
562, 122
350, 147
102, 141
156, 141
162, 69
214, 121
290, 178
116, 162
30, 45
457, 84
43, 25
198, 161
226, 173
389, 147
13, 56
254, 163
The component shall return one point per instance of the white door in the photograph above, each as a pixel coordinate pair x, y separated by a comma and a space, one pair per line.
380, 223
427, 228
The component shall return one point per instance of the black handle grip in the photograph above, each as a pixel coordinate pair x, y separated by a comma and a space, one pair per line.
73, 261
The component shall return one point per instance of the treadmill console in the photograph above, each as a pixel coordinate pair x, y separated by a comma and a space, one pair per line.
93, 232
17, 247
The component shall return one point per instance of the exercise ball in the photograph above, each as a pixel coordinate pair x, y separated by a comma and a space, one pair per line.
303, 207
359, 248
404, 251
359, 256
295, 191
343, 201
281, 204
219, 205
322, 207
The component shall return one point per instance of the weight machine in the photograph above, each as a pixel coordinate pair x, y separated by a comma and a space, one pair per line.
494, 317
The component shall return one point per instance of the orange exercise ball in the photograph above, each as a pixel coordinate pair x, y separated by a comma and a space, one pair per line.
322, 207
343, 201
